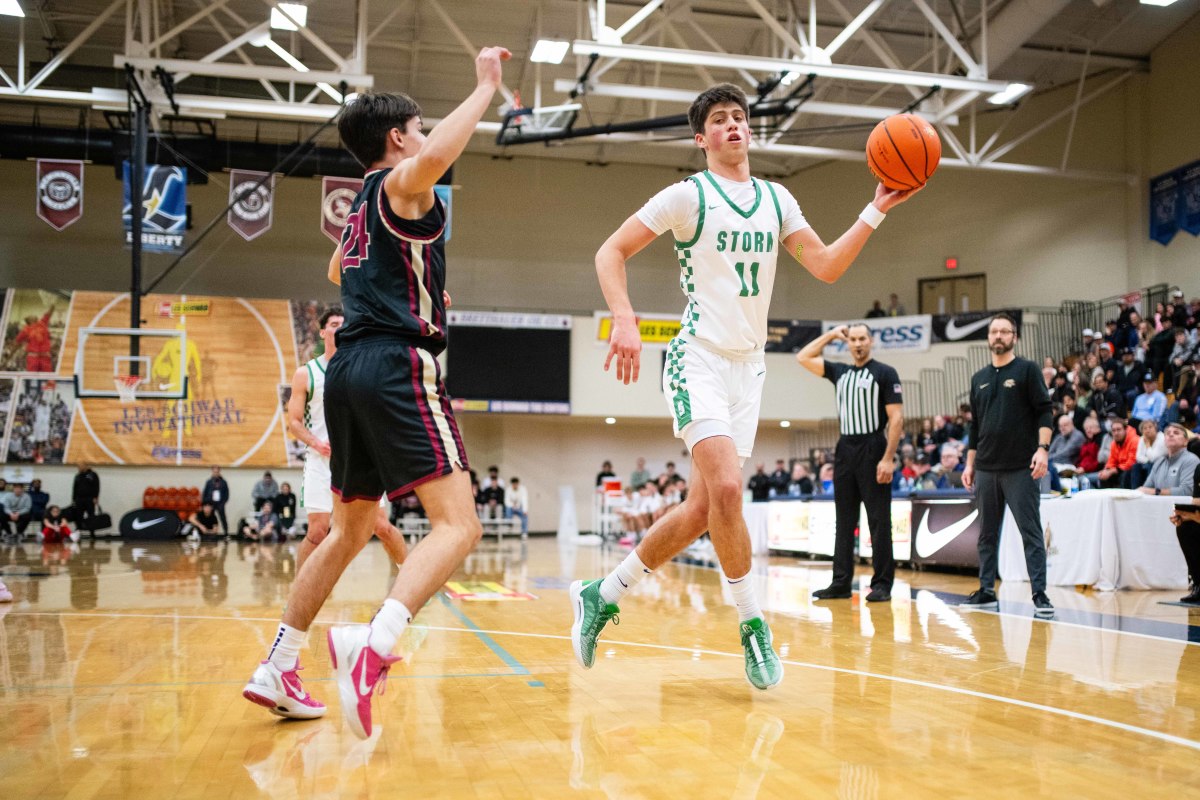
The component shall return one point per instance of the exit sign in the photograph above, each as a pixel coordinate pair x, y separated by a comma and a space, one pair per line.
951, 263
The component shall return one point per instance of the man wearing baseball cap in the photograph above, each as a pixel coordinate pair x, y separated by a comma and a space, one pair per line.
1090, 345
1174, 475
1151, 404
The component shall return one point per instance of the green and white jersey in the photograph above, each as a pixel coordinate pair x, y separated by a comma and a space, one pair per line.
728, 236
314, 406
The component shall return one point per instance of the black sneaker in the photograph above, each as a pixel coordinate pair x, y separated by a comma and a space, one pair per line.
1042, 605
1193, 598
832, 593
981, 598
879, 595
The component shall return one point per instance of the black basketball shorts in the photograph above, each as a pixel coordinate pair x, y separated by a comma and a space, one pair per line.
390, 424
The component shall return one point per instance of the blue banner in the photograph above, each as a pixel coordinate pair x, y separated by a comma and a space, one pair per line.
164, 208
1189, 198
1164, 197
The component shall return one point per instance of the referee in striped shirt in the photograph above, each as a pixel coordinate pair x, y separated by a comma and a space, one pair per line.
870, 419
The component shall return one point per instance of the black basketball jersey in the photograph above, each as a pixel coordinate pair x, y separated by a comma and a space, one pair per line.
393, 271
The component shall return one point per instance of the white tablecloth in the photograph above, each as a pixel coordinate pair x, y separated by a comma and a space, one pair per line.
1104, 538
756, 522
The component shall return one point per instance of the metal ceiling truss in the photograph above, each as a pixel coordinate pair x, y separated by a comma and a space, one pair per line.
955, 69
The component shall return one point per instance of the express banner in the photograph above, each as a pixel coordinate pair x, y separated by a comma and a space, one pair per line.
59, 192
970, 326
163, 208
251, 202
337, 196
891, 334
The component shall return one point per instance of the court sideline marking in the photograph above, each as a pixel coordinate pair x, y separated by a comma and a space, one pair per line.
485, 636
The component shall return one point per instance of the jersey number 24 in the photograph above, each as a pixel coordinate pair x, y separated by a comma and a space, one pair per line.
355, 238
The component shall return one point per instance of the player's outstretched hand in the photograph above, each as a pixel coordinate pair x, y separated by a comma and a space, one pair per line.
446, 299
324, 449
886, 199
625, 344
487, 65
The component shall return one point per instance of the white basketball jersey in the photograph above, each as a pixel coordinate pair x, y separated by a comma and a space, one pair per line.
727, 270
314, 408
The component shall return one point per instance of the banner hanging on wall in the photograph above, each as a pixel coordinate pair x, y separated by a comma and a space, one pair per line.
163, 208
969, 326
251, 202
59, 192
1175, 203
337, 196
892, 334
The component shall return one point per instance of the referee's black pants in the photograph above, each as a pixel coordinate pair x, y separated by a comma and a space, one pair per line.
854, 483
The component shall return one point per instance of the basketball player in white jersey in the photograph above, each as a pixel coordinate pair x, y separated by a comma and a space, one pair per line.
306, 421
269, 686
729, 230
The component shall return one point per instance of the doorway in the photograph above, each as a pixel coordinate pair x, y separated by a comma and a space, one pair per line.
952, 295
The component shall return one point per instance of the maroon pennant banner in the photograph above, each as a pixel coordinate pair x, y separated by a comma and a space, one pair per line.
59, 192
337, 195
251, 205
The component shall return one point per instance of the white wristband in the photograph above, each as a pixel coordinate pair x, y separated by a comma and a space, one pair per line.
872, 216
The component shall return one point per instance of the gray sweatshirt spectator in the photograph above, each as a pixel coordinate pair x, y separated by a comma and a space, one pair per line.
1175, 474
264, 490
1065, 447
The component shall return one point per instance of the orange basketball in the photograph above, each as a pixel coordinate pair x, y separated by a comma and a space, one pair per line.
903, 151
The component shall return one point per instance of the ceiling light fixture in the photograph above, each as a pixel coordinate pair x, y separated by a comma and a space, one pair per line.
1011, 93
11, 8
549, 51
294, 10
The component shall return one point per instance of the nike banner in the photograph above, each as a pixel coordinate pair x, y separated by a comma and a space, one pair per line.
945, 531
970, 326
891, 334
150, 523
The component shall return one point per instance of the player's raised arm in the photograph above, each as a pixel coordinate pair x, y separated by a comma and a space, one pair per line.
625, 343
335, 267
829, 262
810, 356
295, 414
449, 138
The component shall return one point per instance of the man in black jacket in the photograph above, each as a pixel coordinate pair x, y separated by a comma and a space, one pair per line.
1009, 443
216, 492
85, 495
1106, 399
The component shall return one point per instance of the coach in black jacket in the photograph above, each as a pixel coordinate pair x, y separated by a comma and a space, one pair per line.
85, 496
1007, 455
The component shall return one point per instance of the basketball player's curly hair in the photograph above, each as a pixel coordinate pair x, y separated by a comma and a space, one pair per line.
715, 95
365, 123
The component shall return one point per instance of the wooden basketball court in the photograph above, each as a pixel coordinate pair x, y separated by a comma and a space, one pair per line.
121, 668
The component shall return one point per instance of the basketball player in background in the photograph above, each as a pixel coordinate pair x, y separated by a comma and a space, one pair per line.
38, 343
306, 421
391, 428
729, 230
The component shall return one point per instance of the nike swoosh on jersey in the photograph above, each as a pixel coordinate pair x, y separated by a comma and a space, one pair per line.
929, 542
954, 332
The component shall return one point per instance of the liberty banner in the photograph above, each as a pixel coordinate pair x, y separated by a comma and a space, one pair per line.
163, 208
337, 195
251, 202
59, 192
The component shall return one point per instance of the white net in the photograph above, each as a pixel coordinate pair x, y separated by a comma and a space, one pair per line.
127, 387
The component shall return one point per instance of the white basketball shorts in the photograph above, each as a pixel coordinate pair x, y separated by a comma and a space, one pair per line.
317, 494
713, 395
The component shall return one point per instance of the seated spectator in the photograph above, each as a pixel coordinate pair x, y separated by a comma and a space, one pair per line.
605, 473
264, 491
674, 495
1060, 387
780, 478
265, 526
923, 478
1159, 350
1152, 446
38, 499
1090, 342
491, 495
875, 311
759, 485
924, 440
1089, 463
904, 480
493, 478
55, 529
516, 501
1179, 411
1049, 373
950, 470
203, 522
1106, 400
638, 515
17, 511
1122, 457
1128, 377
1151, 404
800, 483
1064, 448
941, 431
285, 507
1075, 412
1174, 475
667, 476
640, 475
825, 479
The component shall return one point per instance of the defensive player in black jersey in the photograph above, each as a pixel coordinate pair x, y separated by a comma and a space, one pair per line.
391, 428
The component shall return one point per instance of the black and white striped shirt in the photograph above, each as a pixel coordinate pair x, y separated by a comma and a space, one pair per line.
862, 395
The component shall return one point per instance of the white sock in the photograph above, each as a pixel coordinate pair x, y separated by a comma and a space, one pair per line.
743, 594
390, 621
285, 653
623, 578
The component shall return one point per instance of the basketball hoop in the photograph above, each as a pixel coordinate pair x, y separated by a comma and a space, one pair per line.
127, 387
